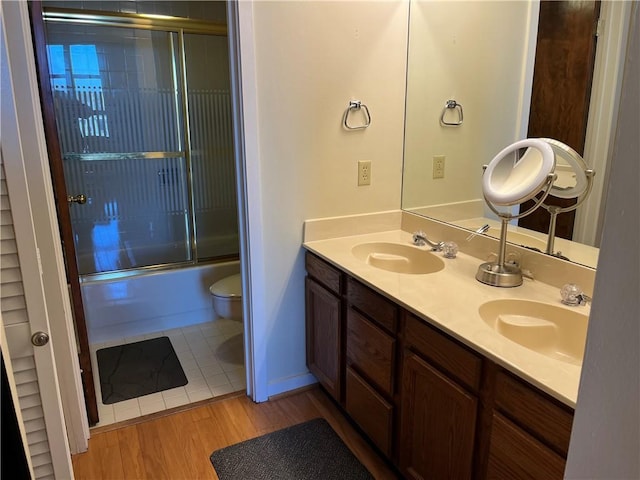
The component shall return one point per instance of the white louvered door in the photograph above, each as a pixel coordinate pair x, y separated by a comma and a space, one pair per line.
22, 301
17, 332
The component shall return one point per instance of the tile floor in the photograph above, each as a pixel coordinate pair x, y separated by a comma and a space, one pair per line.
211, 355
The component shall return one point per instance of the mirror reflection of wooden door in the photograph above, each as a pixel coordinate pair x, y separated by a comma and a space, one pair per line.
62, 208
563, 73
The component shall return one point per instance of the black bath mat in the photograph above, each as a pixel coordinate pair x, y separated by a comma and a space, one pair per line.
136, 369
310, 450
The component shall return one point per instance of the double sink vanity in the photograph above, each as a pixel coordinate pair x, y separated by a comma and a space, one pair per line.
448, 377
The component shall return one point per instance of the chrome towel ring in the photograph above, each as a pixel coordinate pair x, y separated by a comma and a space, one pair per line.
451, 105
357, 105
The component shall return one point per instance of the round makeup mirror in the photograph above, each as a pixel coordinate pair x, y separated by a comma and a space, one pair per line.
573, 180
516, 174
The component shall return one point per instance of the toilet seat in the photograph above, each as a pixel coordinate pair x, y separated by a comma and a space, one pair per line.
228, 287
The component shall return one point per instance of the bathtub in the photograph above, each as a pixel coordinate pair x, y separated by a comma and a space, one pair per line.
151, 302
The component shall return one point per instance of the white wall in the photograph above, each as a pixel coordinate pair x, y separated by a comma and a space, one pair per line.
481, 55
311, 59
605, 439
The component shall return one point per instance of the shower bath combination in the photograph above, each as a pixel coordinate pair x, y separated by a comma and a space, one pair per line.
143, 114
142, 117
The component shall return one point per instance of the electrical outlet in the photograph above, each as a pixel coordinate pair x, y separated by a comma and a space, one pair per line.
364, 172
438, 166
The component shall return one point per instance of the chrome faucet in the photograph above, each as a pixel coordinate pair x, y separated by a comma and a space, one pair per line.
479, 231
420, 239
583, 299
573, 295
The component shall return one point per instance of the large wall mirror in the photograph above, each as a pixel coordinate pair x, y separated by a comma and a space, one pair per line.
470, 77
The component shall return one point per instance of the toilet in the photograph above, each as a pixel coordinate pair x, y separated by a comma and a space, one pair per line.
227, 297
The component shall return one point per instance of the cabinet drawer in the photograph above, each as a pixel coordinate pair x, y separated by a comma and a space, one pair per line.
324, 273
372, 412
515, 454
377, 307
455, 359
544, 416
370, 351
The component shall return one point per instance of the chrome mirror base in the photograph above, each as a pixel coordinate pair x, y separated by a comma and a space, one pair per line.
496, 275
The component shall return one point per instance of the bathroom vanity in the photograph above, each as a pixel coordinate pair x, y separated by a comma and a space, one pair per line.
439, 396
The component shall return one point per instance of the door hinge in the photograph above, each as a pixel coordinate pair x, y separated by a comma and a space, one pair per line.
39, 261
599, 27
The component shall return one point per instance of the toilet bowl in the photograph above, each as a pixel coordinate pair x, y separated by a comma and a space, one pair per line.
227, 297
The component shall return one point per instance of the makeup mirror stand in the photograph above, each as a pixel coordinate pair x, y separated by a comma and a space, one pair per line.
499, 273
555, 210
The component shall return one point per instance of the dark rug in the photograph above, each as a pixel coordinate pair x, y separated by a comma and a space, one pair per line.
310, 450
136, 369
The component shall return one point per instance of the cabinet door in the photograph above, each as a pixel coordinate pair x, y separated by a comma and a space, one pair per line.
514, 454
438, 421
323, 311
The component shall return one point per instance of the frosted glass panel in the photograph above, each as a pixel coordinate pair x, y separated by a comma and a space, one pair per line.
212, 158
118, 119
120, 96
136, 213
114, 89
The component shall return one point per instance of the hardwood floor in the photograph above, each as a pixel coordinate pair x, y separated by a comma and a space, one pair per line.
178, 446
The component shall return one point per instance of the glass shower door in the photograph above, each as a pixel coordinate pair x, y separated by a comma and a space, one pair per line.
211, 139
119, 114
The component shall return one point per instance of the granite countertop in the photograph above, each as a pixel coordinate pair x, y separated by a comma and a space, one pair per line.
450, 299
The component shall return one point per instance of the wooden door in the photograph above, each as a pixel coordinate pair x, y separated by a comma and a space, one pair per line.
62, 208
437, 425
563, 73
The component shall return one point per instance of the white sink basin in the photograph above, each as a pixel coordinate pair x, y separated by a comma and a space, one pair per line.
398, 257
548, 329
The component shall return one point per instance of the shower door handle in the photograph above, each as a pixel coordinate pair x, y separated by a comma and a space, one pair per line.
80, 198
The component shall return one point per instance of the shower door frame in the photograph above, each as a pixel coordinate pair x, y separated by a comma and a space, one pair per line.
180, 26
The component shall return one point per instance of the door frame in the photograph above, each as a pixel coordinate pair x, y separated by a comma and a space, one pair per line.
611, 49
244, 94
62, 208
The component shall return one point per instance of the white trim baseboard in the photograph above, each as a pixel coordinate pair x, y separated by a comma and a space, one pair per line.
288, 384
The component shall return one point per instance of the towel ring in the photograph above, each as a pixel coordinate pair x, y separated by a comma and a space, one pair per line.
451, 104
357, 105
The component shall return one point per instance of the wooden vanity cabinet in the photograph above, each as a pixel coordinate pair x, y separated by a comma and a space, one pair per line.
371, 363
436, 408
439, 406
530, 432
324, 324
